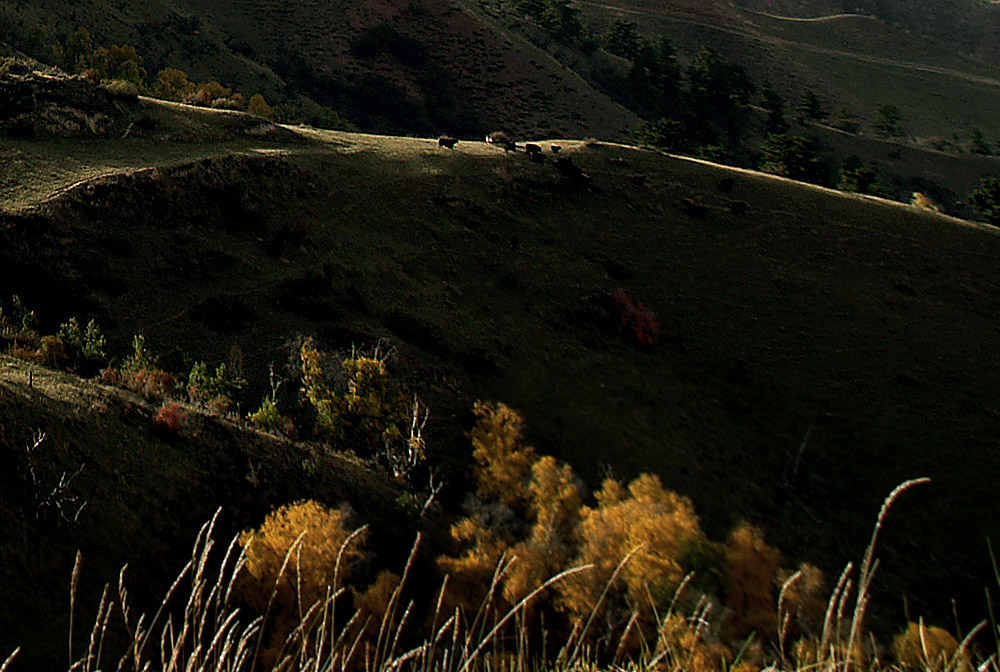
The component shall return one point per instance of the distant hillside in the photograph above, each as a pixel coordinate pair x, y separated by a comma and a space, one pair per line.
815, 348
427, 67
969, 26
854, 63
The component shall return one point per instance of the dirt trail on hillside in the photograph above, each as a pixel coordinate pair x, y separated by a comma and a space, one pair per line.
779, 42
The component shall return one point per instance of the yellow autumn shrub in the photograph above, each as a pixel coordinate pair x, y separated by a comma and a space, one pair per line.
927, 648
654, 525
310, 537
751, 572
503, 462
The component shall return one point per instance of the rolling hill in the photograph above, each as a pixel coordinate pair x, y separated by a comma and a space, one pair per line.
816, 348
426, 66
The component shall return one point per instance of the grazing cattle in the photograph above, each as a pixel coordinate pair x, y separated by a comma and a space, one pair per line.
536, 157
445, 141
692, 209
571, 170
556, 149
532, 148
502, 139
726, 185
739, 207
639, 180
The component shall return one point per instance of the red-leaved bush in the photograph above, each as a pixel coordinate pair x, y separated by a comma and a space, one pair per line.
637, 321
170, 417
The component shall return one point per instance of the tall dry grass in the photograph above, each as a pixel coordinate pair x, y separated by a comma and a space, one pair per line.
199, 627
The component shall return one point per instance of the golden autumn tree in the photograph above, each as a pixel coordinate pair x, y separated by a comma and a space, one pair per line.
528, 508
653, 525
750, 574
298, 556
555, 499
503, 461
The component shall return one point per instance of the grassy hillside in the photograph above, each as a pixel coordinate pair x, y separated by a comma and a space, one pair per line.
969, 26
146, 492
426, 67
866, 326
852, 62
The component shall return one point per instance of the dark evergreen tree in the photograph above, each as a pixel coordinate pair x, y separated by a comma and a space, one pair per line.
792, 156
857, 178
810, 107
986, 199
718, 90
774, 105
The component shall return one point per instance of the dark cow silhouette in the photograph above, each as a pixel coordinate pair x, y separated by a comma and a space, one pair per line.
502, 139
739, 207
692, 209
445, 141
536, 157
569, 169
532, 148
556, 149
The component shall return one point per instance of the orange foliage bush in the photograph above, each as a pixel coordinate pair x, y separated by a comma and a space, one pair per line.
312, 561
170, 417
637, 321
656, 525
928, 648
751, 572
503, 462
301, 551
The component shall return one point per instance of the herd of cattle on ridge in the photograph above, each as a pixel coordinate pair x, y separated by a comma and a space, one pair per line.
575, 173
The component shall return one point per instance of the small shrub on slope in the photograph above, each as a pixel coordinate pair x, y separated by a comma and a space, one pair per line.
170, 417
52, 351
986, 199
204, 387
270, 419
636, 321
928, 648
85, 347
140, 374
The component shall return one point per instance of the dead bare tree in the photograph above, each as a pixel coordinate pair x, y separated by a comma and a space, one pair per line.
404, 456
56, 497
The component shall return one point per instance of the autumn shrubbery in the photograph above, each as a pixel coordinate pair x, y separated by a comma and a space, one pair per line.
360, 407
541, 573
300, 552
171, 417
640, 542
72, 348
